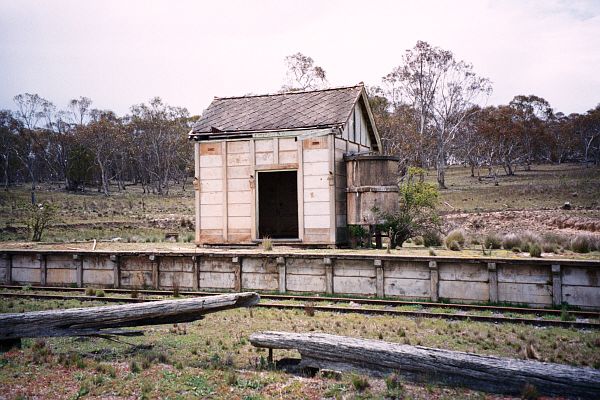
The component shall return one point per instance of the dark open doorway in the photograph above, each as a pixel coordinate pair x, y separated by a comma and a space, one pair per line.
278, 204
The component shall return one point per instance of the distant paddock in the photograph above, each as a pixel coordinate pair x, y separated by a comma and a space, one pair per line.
534, 282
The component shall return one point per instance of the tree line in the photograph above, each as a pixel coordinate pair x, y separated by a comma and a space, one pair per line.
431, 111
83, 146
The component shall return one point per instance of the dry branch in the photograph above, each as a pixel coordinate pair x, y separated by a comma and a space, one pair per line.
103, 320
416, 363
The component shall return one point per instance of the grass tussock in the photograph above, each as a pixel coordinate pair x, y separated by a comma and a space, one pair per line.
455, 240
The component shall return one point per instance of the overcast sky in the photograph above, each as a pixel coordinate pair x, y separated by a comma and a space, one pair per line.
120, 53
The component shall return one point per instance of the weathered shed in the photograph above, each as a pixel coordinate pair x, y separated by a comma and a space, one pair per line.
273, 165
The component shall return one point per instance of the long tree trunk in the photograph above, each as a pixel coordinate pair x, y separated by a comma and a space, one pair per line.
453, 368
95, 321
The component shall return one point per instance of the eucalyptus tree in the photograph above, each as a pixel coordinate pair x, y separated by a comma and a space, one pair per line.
442, 92
303, 74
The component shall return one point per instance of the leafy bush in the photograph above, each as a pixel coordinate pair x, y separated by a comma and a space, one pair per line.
38, 217
100, 293
511, 241
416, 209
90, 291
492, 241
357, 235
455, 237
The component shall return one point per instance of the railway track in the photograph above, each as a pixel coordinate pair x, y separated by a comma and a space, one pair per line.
577, 323
316, 299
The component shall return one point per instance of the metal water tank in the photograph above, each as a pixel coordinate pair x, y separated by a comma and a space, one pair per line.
372, 183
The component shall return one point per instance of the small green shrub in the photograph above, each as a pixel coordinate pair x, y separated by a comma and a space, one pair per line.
38, 217
432, 238
100, 293
360, 383
456, 236
492, 241
511, 241
357, 235
535, 250
90, 291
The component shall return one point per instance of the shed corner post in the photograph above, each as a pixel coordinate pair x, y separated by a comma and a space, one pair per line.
197, 193
282, 274
434, 280
556, 285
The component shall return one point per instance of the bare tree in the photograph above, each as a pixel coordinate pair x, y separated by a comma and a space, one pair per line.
303, 74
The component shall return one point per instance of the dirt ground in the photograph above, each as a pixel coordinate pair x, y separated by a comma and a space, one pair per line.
564, 222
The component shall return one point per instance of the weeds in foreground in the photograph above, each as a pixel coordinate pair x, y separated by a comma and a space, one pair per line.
359, 382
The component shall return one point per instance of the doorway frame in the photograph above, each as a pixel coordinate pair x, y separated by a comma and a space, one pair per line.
299, 196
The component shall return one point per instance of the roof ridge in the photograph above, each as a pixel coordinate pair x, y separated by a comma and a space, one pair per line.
361, 84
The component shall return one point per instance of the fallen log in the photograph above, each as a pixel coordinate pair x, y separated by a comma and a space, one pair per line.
97, 321
423, 364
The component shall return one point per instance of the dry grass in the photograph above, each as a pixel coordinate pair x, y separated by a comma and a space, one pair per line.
545, 186
214, 358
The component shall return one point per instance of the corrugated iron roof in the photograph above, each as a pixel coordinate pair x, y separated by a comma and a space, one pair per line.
291, 110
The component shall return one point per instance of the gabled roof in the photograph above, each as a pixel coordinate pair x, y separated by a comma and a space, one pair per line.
292, 110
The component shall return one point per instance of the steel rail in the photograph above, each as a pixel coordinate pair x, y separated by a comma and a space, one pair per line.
334, 309
363, 301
